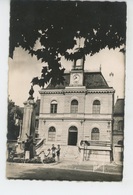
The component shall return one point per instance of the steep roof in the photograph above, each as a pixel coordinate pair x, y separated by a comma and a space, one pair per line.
92, 80
61, 86
119, 107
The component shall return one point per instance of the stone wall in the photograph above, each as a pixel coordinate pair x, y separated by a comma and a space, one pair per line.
84, 129
85, 102
105, 100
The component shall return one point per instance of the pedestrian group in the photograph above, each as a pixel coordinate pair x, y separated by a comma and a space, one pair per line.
53, 151
56, 151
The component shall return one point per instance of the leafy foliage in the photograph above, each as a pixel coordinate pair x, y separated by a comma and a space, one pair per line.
57, 24
14, 116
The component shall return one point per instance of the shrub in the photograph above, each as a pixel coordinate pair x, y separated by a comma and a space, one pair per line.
49, 160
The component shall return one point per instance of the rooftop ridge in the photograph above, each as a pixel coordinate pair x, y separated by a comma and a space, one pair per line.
92, 80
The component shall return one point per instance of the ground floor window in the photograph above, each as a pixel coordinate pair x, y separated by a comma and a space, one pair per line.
120, 125
120, 142
95, 134
51, 134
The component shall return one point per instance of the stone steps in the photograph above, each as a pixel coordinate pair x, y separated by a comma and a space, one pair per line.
70, 153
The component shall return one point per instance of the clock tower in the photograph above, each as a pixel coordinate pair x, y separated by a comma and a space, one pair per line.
77, 73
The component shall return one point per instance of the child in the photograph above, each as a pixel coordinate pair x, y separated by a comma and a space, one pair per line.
43, 155
53, 150
58, 152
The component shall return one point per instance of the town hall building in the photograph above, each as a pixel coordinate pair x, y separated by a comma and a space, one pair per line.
80, 110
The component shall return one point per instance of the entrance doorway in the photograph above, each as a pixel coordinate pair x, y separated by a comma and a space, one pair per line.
72, 136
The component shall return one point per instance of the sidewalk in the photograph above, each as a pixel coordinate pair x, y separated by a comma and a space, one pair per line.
87, 166
110, 168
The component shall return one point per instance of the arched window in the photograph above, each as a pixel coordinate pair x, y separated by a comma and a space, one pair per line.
96, 107
120, 142
120, 125
95, 134
73, 129
74, 106
51, 134
53, 107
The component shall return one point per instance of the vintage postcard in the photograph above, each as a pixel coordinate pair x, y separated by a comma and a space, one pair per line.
66, 90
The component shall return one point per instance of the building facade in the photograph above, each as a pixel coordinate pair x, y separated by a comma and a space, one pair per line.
118, 130
81, 109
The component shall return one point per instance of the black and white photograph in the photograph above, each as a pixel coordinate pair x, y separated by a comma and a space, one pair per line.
66, 90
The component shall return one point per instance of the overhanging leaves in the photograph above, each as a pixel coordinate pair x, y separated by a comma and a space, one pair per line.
56, 23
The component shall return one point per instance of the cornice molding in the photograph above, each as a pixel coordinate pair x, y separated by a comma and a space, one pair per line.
82, 119
86, 91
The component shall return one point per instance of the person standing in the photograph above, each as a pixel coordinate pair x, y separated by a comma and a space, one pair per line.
53, 151
58, 152
26, 150
41, 155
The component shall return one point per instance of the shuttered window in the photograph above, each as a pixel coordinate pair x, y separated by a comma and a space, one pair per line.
95, 134
96, 107
74, 106
53, 107
51, 134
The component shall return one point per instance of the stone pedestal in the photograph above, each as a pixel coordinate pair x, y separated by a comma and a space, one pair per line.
28, 126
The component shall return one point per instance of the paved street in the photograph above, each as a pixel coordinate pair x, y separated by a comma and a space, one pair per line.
58, 172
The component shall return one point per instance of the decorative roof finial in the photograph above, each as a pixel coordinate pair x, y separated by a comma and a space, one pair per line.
111, 74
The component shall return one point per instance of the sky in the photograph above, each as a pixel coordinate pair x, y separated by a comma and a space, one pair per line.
23, 68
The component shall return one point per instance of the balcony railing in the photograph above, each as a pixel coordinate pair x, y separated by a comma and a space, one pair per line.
95, 143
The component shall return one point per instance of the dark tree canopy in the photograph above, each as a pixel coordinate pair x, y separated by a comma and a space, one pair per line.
14, 113
56, 24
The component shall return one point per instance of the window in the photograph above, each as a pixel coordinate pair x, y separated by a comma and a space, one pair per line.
74, 106
73, 129
96, 107
51, 134
53, 108
120, 125
120, 142
95, 134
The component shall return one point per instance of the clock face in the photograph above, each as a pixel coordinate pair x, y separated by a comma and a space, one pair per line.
76, 78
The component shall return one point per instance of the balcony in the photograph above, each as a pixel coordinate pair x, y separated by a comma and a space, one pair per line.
95, 145
99, 143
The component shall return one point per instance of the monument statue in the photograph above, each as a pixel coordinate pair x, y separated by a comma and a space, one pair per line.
31, 93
